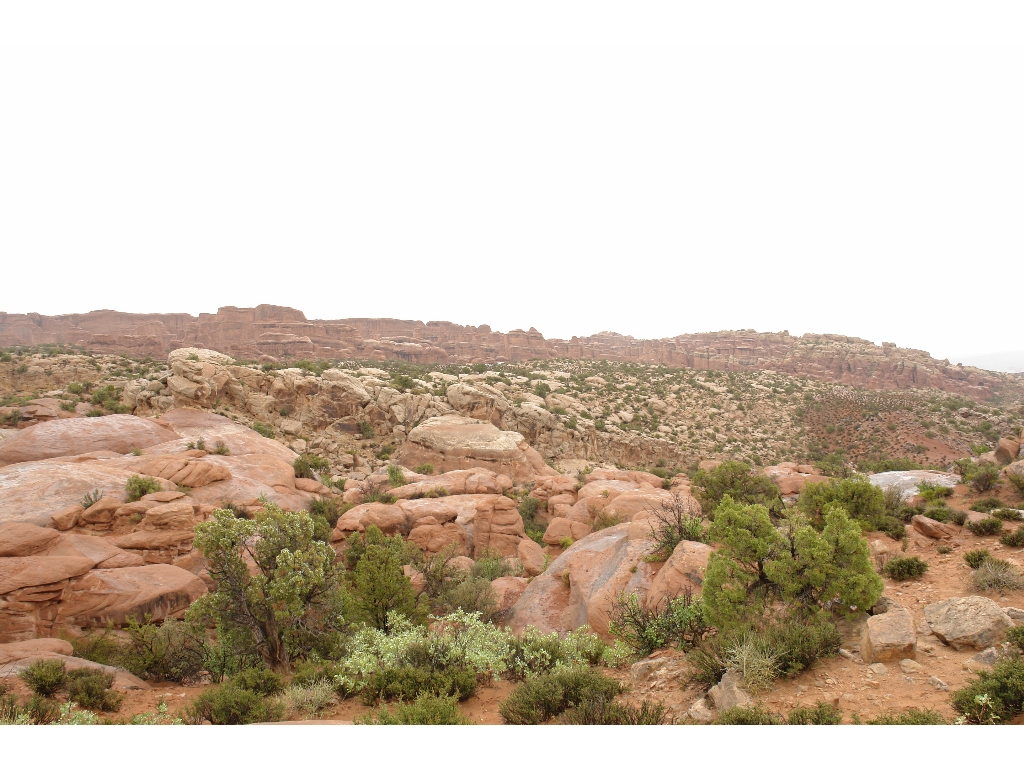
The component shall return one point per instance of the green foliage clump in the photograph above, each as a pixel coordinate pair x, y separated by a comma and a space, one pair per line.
409, 682
137, 487
491, 566
1013, 538
988, 526
1015, 637
675, 520
266, 430
986, 505
834, 465
424, 469
910, 717
863, 501
173, 650
45, 677
91, 498
232, 705
261, 681
983, 477
292, 602
904, 568
756, 715
823, 713
425, 710
396, 477
995, 574
737, 480
74, 388
600, 711
757, 562
645, 629
221, 449
381, 589
366, 430
528, 509
310, 465
90, 688
538, 699
994, 696
975, 557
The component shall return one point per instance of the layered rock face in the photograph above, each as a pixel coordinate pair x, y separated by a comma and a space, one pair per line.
282, 332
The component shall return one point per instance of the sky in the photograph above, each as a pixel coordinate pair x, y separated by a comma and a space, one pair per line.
645, 168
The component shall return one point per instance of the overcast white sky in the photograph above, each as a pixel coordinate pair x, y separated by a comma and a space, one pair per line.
647, 168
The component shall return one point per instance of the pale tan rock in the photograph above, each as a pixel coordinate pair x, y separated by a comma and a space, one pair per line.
67, 518
933, 529
889, 636
531, 555
683, 572
967, 622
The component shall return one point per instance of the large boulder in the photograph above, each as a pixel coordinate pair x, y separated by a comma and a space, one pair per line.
933, 529
478, 401
682, 572
1007, 450
582, 584
458, 442
119, 433
889, 636
191, 425
967, 622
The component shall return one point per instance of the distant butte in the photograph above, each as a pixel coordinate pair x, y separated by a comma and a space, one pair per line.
285, 333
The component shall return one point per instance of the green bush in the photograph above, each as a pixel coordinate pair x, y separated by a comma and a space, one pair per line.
904, 568
137, 487
491, 566
1015, 637
937, 510
756, 715
221, 449
472, 595
528, 509
313, 671
366, 430
988, 526
1017, 481
308, 465
645, 629
910, 717
1013, 538
42, 710
381, 589
975, 557
675, 520
930, 492
396, 477
262, 682
311, 701
540, 698
1000, 575
986, 505
822, 713
424, 469
74, 388
608, 712
90, 688
173, 650
958, 517
736, 480
426, 710
91, 498
45, 677
862, 500
264, 429
983, 477
408, 683
377, 495
995, 696
1007, 515
232, 705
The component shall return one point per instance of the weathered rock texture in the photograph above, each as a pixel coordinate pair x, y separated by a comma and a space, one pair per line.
286, 333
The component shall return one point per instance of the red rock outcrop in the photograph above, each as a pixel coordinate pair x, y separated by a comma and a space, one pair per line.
283, 332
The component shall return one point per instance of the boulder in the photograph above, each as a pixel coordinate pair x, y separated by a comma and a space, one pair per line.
582, 584
967, 622
562, 528
478, 401
181, 470
933, 529
682, 572
497, 526
729, 693
908, 481
889, 636
458, 442
23, 539
531, 555
1007, 450
192, 424
119, 433
508, 590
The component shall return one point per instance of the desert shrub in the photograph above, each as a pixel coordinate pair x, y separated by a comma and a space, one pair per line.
173, 650
986, 505
328, 509
892, 499
103, 647
380, 589
645, 629
937, 510
310, 700
756, 562
309, 466
931, 492
994, 696
958, 517
493, 566
74, 388
1013, 538
944, 549
221, 449
138, 486
231, 705
834, 465
366, 430
601, 711
1017, 481
426, 710
534, 652
1007, 515
262, 682
673, 521
90, 688
988, 526
472, 595
736, 480
975, 557
1015, 637
67, 405
538, 699
528, 509
11, 713
408, 683
910, 717
42, 710
378, 495
756, 715
983, 477
998, 575
384, 452
91, 498
94, 413
862, 500
605, 519
264, 429
823, 713
45, 677
396, 477
292, 603
904, 568
757, 662
892, 527
315, 670
424, 469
